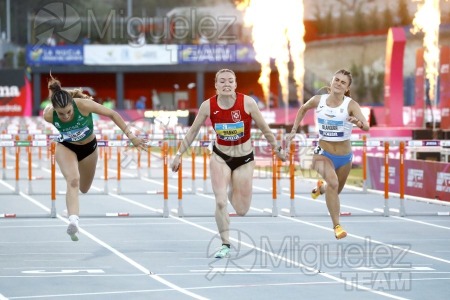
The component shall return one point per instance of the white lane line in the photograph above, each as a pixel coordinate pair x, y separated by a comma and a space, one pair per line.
261, 189
116, 252
236, 270
395, 269
92, 294
369, 211
46, 253
295, 273
35, 202
276, 256
421, 222
3, 297
294, 263
73, 275
165, 290
318, 226
210, 287
307, 223
404, 250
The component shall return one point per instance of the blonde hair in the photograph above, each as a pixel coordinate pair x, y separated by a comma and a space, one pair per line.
224, 71
350, 79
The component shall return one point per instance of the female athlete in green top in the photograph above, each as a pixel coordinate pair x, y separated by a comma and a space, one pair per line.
76, 151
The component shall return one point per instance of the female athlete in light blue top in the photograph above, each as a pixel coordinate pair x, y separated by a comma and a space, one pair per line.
336, 114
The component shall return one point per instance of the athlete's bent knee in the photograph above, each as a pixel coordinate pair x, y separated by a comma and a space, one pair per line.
85, 190
221, 205
332, 185
74, 182
241, 211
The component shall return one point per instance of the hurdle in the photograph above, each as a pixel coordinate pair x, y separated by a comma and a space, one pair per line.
37, 140
312, 143
193, 173
119, 177
292, 180
6, 140
179, 212
16, 143
119, 144
386, 180
275, 169
364, 162
53, 182
52, 192
102, 143
401, 211
29, 144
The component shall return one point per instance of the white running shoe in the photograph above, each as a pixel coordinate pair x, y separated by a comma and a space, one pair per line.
224, 251
72, 231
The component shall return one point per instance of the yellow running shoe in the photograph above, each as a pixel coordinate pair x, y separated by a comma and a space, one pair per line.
339, 232
316, 191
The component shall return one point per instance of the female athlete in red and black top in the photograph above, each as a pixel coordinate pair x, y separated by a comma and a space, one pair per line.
232, 161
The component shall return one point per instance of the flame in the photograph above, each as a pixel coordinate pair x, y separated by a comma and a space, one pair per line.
427, 20
277, 33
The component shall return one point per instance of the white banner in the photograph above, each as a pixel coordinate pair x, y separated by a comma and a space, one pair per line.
128, 55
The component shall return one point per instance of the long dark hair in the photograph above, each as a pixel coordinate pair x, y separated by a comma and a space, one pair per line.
61, 97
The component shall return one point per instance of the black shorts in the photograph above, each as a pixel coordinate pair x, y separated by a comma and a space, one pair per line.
82, 151
234, 162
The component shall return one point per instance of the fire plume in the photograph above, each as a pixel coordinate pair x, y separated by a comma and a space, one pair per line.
277, 33
427, 20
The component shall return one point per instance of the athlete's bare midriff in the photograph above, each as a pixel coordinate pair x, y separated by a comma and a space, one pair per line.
336, 148
84, 142
236, 150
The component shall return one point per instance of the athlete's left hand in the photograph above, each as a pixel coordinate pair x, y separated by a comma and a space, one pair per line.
353, 120
281, 154
139, 143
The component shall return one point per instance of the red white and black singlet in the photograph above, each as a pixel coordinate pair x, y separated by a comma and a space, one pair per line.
233, 125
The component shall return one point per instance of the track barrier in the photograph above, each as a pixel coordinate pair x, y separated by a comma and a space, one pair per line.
106, 148
386, 179
276, 175
401, 211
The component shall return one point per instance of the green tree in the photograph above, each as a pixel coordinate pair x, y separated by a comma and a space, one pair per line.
403, 13
373, 22
328, 22
359, 20
359, 82
388, 20
321, 21
376, 88
343, 25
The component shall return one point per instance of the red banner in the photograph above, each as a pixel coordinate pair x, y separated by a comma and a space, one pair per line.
444, 87
393, 79
427, 179
15, 93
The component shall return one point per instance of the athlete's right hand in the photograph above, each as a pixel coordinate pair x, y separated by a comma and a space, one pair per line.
175, 165
289, 139
281, 155
290, 136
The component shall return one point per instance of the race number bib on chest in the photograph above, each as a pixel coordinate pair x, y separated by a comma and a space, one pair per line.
229, 131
